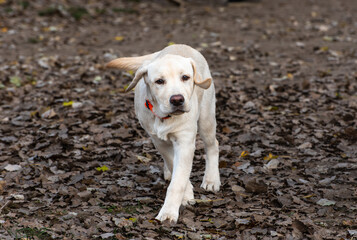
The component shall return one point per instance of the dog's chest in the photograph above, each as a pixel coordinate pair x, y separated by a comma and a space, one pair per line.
161, 129
155, 127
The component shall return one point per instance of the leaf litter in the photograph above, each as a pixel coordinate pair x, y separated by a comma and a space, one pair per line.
84, 168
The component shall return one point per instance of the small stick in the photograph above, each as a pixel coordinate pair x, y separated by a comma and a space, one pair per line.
178, 2
3, 206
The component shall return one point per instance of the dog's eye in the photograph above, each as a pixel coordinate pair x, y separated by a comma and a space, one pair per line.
185, 77
160, 81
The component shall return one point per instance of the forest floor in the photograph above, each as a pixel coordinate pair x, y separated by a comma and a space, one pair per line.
75, 163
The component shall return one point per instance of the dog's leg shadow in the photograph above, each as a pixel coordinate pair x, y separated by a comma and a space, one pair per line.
167, 172
188, 196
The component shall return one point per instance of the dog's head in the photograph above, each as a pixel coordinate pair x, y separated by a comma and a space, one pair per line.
171, 80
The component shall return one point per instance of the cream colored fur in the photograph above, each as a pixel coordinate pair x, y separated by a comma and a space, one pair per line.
175, 137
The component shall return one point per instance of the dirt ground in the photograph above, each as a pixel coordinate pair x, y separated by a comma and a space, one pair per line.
75, 163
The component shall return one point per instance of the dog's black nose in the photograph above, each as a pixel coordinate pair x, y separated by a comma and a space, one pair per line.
177, 100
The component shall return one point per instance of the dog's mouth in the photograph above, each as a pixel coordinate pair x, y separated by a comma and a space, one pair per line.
178, 111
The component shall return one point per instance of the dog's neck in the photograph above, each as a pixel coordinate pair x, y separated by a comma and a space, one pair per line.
149, 106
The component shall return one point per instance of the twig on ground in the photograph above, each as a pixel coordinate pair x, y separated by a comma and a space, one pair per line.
3, 206
178, 2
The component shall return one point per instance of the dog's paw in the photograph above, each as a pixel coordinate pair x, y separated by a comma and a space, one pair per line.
167, 214
211, 184
188, 196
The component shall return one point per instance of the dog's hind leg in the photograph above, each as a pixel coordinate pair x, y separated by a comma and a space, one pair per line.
207, 129
188, 194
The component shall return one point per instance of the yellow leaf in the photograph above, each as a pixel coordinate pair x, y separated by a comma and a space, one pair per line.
148, 156
131, 72
309, 196
270, 157
102, 168
143, 159
4, 29
327, 38
170, 43
272, 108
348, 223
2, 1
244, 154
204, 45
119, 38
33, 113
289, 75
206, 220
133, 219
324, 49
68, 104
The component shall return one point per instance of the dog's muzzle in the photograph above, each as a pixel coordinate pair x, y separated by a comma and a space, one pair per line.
177, 103
177, 100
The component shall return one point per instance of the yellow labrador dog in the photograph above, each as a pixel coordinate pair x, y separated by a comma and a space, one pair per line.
175, 97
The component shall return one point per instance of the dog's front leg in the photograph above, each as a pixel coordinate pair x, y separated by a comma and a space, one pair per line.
184, 147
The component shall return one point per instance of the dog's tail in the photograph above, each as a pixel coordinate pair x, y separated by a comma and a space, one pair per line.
131, 63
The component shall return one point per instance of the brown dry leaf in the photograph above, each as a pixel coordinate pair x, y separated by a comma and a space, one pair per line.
226, 130
2, 186
237, 164
256, 186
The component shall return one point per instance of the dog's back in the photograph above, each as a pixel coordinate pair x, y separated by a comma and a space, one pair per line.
134, 63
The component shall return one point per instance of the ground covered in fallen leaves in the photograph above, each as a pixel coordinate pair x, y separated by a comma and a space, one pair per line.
75, 164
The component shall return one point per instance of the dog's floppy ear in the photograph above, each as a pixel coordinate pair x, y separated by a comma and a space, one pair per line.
197, 78
138, 75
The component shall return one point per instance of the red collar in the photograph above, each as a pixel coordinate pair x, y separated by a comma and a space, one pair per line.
149, 106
